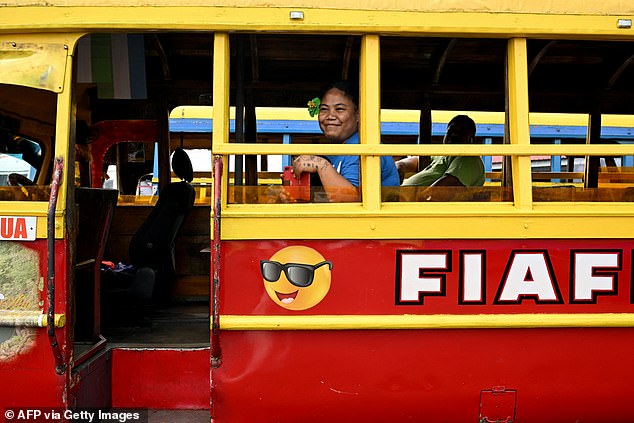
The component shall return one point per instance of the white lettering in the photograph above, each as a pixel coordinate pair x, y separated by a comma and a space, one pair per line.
52, 415
586, 280
472, 277
79, 415
29, 414
413, 279
528, 275
120, 416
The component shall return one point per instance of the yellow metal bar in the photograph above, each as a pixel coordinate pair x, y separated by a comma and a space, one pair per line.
63, 125
60, 320
221, 84
435, 221
221, 90
370, 125
29, 319
23, 208
518, 120
434, 321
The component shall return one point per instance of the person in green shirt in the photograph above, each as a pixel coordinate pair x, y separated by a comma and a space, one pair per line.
448, 170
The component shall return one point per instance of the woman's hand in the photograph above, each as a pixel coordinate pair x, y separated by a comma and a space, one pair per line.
309, 163
338, 188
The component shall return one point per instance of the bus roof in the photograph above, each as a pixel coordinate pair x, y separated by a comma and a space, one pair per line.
589, 7
432, 55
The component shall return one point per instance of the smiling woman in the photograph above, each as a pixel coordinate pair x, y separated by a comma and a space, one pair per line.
338, 118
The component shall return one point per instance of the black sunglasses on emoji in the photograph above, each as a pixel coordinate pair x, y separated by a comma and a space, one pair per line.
300, 275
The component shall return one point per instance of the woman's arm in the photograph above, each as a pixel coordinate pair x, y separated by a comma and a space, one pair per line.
338, 188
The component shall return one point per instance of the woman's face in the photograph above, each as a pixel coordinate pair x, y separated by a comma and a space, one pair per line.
338, 116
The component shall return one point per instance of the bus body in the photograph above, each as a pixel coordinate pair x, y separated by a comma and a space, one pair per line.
506, 302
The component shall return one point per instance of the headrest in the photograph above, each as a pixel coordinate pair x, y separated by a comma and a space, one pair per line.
182, 165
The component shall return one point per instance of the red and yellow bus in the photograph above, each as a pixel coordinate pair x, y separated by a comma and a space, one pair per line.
213, 300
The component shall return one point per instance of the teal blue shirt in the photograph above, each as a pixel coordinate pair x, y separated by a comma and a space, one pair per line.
348, 166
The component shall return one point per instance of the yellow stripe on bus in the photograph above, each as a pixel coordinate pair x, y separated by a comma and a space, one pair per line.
434, 321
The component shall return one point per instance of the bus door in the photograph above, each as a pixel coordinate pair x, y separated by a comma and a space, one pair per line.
35, 239
141, 297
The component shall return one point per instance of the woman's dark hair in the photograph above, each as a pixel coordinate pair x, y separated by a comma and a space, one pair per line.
350, 90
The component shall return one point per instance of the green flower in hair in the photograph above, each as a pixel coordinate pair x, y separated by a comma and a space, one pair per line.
313, 106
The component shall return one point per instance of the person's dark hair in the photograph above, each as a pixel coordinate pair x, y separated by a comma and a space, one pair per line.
466, 121
350, 90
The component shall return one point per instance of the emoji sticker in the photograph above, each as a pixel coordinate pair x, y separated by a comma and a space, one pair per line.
296, 277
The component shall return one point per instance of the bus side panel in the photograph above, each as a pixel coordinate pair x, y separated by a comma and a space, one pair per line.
281, 371
555, 375
27, 365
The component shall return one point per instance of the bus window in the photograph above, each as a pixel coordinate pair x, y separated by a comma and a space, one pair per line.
484, 183
442, 77
136, 161
191, 125
118, 154
314, 63
127, 167
588, 119
26, 133
16, 170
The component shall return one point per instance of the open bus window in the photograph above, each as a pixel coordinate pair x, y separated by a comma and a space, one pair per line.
135, 161
128, 167
27, 121
477, 178
432, 78
312, 63
16, 171
581, 101
564, 178
274, 184
477, 184
575, 178
441, 78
